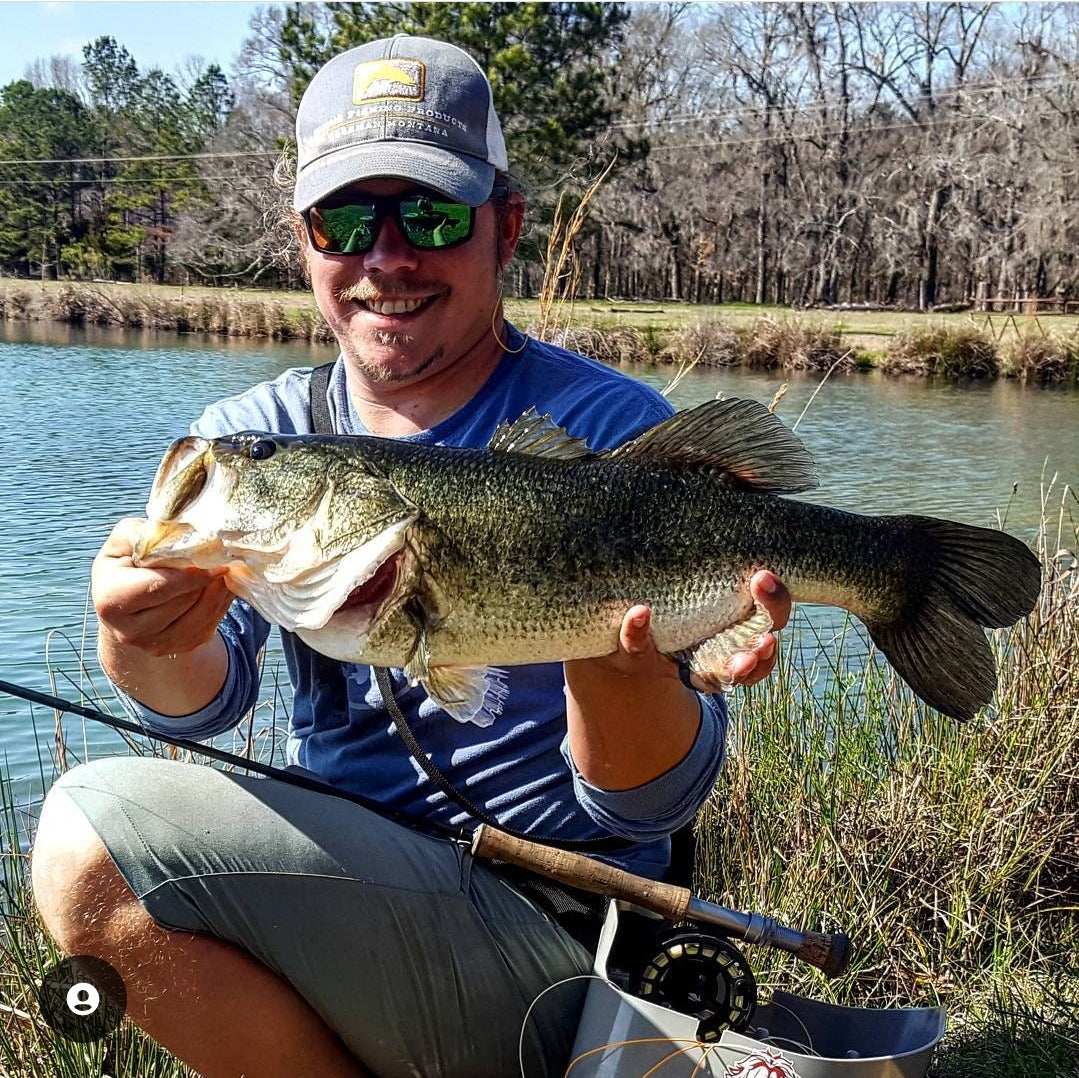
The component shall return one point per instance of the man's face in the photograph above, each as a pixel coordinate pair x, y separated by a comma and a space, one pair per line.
399, 313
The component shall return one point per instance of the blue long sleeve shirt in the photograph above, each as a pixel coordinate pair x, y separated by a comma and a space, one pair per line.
519, 769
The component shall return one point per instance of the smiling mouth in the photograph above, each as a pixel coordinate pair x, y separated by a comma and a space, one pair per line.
395, 306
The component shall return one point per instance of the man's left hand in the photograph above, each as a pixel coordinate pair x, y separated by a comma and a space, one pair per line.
637, 652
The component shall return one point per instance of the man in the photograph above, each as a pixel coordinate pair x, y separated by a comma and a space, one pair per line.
264, 930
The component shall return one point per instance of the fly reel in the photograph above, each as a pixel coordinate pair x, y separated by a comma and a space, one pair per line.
702, 975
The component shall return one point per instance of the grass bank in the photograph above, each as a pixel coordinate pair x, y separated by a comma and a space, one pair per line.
1042, 349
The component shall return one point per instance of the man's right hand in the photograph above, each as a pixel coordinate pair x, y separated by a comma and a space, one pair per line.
158, 627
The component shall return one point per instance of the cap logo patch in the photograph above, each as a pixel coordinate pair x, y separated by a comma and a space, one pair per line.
397, 79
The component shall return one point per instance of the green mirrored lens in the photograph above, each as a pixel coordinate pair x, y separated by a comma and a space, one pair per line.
347, 229
431, 223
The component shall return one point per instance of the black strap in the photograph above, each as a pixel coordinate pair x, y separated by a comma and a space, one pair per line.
321, 421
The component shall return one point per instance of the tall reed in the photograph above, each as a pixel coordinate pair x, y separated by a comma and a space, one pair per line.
28, 1048
562, 267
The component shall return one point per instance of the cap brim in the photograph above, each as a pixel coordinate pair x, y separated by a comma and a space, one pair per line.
464, 179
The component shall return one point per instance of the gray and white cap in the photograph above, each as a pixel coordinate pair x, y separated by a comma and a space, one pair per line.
404, 107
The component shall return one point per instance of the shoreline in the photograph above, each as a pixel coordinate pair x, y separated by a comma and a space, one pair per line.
947, 346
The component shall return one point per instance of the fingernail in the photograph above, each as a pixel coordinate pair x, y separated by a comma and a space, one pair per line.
769, 585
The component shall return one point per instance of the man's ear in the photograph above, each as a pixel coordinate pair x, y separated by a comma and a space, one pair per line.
510, 222
299, 230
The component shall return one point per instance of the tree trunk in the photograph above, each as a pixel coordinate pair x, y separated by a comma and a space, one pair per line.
761, 287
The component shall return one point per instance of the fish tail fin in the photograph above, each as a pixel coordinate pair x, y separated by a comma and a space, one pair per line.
976, 577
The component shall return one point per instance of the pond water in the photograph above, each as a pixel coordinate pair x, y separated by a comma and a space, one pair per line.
85, 416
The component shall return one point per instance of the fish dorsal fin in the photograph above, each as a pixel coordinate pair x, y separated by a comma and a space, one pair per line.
739, 439
537, 435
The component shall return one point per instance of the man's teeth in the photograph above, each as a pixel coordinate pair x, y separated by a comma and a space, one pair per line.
393, 306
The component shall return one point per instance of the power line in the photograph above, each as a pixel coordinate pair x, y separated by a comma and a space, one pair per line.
858, 128
135, 160
229, 182
95, 181
825, 132
823, 106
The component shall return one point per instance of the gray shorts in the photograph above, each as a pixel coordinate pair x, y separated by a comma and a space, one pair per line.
422, 960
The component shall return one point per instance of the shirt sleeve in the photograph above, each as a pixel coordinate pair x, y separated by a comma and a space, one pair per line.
656, 808
244, 633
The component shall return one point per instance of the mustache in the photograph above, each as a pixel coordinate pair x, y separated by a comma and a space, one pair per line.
371, 289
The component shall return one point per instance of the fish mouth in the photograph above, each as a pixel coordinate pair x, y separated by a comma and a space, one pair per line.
184, 473
181, 477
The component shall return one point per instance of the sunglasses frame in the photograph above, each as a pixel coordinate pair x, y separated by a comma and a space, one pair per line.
390, 206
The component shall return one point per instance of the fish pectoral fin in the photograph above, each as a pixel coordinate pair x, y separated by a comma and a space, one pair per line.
466, 693
536, 435
708, 660
737, 439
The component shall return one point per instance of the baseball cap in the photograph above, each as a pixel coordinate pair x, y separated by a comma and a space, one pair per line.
407, 107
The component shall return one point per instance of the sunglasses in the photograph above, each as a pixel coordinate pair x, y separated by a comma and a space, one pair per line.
427, 221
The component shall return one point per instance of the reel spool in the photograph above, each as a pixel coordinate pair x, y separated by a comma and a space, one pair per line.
702, 975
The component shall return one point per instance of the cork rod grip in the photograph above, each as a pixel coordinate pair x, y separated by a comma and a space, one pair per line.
576, 870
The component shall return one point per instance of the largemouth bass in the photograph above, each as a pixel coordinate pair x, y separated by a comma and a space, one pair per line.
451, 563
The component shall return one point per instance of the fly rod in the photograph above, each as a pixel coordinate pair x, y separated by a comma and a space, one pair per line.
293, 778
829, 952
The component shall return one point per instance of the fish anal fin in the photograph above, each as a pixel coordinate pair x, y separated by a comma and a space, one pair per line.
709, 659
536, 435
737, 439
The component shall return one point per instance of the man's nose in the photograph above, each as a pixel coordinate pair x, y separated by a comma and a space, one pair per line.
391, 252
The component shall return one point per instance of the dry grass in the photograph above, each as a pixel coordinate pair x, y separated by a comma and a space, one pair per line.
763, 344
682, 335
562, 267
952, 352
949, 852
1043, 359
223, 314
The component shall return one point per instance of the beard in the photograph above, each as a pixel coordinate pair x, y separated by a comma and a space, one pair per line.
382, 373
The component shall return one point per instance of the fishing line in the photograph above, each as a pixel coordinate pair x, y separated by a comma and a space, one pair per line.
807, 1048
532, 1006
674, 1055
689, 1046
691, 1043
709, 1050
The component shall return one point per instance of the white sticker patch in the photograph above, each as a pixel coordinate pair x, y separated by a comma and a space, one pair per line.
395, 79
762, 1064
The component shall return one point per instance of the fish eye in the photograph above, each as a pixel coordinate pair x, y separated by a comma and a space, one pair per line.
263, 449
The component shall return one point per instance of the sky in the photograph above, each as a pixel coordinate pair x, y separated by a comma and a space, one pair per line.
157, 33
